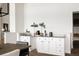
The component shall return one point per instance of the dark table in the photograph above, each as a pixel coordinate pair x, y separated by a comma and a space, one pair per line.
10, 47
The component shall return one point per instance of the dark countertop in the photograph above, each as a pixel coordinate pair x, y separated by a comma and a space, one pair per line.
24, 34
52, 36
59, 36
10, 47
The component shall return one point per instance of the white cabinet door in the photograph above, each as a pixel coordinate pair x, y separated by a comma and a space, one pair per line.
42, 45
25, 39
45, 45
33, 43
59, 46
38, 44
52, 46
22, 38
56, 46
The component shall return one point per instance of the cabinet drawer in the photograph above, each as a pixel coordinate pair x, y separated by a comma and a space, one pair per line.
24, 37
43, 39
51, 45
60, 40
40, 38
59, 52
59, 43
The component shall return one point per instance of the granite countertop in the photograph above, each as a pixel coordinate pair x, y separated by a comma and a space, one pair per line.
10, 47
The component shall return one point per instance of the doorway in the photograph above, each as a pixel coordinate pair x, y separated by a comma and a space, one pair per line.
76, 29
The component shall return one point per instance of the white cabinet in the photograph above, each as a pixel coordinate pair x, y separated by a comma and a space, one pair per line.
52, 49
33, 43
42, 44
39, 43
10, 37
57, 46
24, 39
50, 45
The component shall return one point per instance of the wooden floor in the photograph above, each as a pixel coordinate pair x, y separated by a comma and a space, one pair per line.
75, 52
35, 53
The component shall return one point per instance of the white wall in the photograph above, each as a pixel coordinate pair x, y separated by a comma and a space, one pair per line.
12, 17
57, 17
16, 17
50, 14
19, 16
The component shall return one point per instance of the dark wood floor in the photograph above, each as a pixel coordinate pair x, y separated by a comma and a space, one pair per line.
35, 53
75, 52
